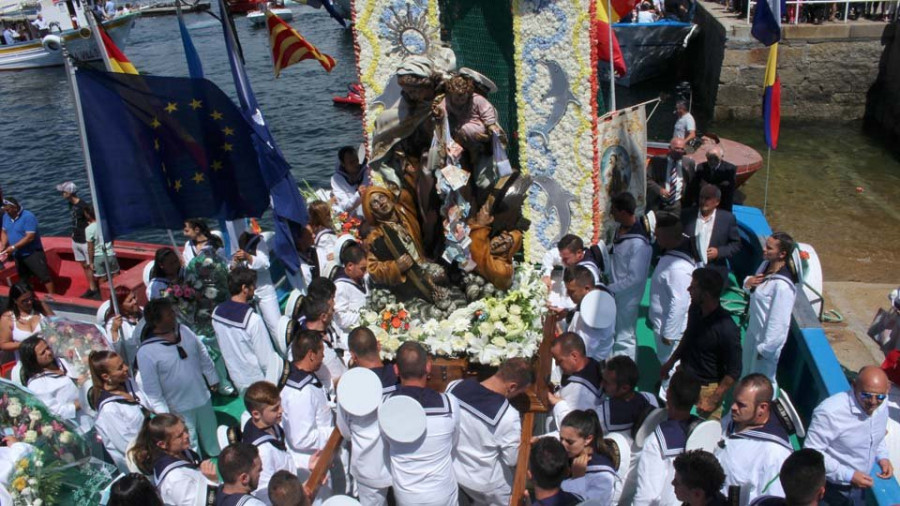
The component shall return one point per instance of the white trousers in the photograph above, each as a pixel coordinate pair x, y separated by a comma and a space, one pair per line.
370, 496
201, 424
271, 313
627, 305
497, 497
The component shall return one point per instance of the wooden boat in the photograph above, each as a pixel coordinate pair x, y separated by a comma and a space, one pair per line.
746, 159
68, 277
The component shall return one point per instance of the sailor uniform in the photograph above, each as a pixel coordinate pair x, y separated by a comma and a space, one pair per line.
246, 346
580, 390
333, 367
422, 471
620, 415
308, 421
752, 458
191, 252
656, 470
180, 482
174, 378
769, 321
369, 460
326, 262
58, 391
600, 481
223, 499
561, 498
127, 342
670, 300
349, 298
265, 290
118, 421
598, 342
346, 191
273, 454
592, 260
848, 438
157, 286
489, 434
631, 254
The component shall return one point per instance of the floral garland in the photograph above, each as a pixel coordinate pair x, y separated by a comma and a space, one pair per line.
487, 331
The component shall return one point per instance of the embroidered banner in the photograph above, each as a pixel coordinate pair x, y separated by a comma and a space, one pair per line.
623, 166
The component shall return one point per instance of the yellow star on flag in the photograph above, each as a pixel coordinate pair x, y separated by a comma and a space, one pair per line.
155, 123
216, 165
198, 177
228, 131
196, 104
177, 185
227, 147
171, 107
216, 115
156, 145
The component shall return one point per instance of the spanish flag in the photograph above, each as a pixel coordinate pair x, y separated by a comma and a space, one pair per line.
112, 55
607, 13
772, 99
289, 47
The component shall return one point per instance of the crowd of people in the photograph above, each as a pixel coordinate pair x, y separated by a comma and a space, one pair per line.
151, 398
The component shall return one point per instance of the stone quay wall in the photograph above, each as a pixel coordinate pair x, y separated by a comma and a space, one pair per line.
825, 70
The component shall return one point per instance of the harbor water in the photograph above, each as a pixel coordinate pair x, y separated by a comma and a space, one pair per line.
829, 185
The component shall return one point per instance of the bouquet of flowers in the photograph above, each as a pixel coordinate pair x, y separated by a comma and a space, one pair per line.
73, 341
33, 484
184, 297
207, 278
31, 422
391, 326
347, 223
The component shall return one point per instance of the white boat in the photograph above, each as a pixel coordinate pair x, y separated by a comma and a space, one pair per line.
78, 38
258, 17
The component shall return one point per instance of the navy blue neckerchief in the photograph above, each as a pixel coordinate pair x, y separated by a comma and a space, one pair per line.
487, 405
233, 314
783, 274
256, 436
342, 277
590, 376
165, 342
435, 404
166, 463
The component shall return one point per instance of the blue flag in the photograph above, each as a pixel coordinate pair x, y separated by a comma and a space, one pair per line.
767, 21
289, 206
195, 68
164, 149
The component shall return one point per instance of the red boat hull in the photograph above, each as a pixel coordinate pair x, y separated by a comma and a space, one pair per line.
68, 276
243, 6
746, 159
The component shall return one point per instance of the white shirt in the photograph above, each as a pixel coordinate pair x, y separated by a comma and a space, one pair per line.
260, 263
246, 346
669, 297
369, 461
127, 344
57, 391
308, 421
346, 196
9, 36
119, 421
40, 23
656, 470
110, 8
752, 459
422, 471
273, 457
769, 314
190, 252
173, 384
489, 433
182, 486
849, 439
324, 243
684, 125
703, 231
646, 17
600, 482
581, 390
631, 256
349, 299
598, 342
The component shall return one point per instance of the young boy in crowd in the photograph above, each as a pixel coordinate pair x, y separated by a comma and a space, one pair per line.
263, 430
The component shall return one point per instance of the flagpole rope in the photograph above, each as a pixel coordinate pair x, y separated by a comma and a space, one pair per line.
766, 194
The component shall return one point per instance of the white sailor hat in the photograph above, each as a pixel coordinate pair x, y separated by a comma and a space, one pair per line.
339, 247
705, 436
283, 334
649, 425
292, 306
621, 450
401, 419
787, 414
359, 391
340, 500
598, 309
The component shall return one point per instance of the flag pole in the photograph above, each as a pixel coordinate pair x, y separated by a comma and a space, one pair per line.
95, 34
612, 70
766, 193
73, 85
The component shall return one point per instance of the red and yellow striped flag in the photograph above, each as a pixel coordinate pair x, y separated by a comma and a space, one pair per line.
118, 62
289, 47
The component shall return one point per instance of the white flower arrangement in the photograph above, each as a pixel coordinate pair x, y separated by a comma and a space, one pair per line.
487, 331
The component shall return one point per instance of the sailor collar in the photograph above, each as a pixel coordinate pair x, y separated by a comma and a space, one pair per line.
322, 233
299, 379
783, 274
772, 431
485, 404
107, 397
600, 463
342, 277
389, 380
223, 499
672, 435
166, 463
434, 403
683, 255
257, 437
619, 414
635, 232
590, 377
52, 374
233, 314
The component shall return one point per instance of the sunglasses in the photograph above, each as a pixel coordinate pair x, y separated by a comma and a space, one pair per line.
869, 395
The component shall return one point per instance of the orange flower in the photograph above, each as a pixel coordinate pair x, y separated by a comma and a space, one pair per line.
402, 314
386, 316
396, 322
384, 326
804, 255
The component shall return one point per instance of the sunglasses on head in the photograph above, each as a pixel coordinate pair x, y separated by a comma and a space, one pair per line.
869, 395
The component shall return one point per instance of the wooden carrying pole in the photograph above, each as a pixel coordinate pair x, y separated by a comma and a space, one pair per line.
323, 465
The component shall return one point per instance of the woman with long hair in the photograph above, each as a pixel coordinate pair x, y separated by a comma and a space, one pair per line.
119, 404
120, 328
322, 229
200, 237
166, 271
50, 378
21, 318
772, 292
594, 475
133, 489
163, 450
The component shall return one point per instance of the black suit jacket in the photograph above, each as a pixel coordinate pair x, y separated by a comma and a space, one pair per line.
725, 237
724, 176
657, 175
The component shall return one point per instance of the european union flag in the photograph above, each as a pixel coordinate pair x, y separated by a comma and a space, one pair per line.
164, 149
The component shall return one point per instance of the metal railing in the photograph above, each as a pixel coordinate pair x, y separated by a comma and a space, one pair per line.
796, 6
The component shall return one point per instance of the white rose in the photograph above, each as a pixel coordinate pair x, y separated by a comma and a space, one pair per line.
458, 344
393, 343
210, 293
499, 342
65, 438
415, 333
515, 310
469, 337
15, 401
500, 328
485, 328
34, 415
31, 436
14, 410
